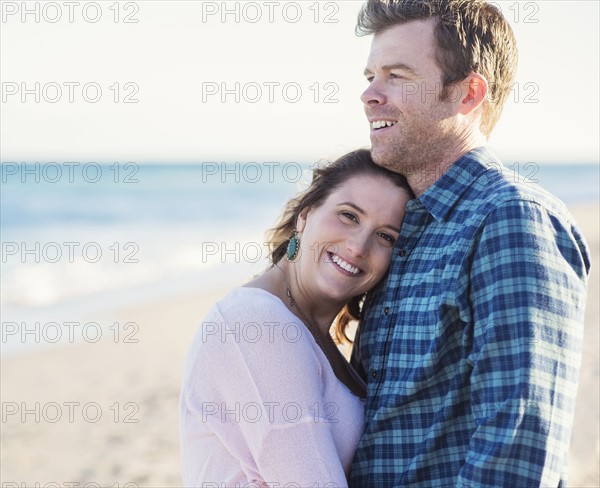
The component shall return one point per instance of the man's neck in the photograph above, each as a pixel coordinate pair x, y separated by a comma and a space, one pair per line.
427, 174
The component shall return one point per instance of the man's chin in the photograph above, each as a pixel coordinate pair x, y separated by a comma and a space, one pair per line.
385, 160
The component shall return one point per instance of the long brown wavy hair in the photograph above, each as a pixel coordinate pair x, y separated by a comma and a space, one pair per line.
325, 180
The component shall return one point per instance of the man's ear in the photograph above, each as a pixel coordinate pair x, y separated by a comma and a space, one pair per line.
301, 222
474, 89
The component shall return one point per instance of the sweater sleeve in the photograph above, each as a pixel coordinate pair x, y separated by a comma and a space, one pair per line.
255, 379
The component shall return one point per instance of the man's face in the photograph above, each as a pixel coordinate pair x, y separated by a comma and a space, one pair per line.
410, 128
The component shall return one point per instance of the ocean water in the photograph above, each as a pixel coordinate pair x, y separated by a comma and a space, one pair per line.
81, 238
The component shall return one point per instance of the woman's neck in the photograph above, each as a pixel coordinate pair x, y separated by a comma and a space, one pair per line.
277, 280
312, 308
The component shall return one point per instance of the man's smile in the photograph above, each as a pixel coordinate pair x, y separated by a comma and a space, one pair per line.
382, 124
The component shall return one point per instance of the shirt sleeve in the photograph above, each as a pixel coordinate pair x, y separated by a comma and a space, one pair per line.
528, 291
259, 389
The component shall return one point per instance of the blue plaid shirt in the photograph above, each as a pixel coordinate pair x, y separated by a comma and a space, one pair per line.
472, 347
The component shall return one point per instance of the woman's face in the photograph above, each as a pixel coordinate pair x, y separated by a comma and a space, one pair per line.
346, 243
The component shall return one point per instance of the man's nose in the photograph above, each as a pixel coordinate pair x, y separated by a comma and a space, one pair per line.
373, 95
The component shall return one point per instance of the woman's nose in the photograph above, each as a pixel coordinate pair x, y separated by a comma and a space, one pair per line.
358, 245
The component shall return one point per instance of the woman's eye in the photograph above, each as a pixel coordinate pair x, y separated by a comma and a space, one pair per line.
350, 216
387, 237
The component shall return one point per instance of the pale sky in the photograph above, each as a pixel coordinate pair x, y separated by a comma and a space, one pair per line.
289, 58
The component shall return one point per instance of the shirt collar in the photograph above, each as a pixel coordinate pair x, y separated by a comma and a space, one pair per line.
440, 197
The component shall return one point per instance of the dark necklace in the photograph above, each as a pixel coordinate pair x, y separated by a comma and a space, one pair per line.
358, 387
294, 304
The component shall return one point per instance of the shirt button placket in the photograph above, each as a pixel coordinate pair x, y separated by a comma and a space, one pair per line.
374, 372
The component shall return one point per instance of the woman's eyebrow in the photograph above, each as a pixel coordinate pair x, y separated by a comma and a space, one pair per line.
354, 206
395, 229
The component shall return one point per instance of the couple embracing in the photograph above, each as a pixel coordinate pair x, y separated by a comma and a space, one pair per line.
469, 290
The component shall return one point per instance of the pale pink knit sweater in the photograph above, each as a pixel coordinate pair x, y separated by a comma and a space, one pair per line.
260, 402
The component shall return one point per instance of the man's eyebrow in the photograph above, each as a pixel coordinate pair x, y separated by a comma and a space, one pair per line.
389, 67
361, 211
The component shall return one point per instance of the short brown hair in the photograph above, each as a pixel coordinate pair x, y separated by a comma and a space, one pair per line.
325, 181
471, 36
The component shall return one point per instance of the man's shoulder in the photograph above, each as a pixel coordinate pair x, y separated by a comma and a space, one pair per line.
477, 184
513, 206
499, 187
499, 197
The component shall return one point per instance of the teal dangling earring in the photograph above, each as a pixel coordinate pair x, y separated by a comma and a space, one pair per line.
293, 247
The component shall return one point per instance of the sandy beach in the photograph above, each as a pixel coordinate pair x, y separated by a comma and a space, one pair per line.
107, 412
